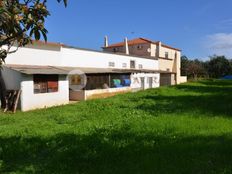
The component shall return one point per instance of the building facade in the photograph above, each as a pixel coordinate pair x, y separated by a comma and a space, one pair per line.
42, 72
169, 58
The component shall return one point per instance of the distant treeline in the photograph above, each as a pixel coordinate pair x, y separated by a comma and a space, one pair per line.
215, 67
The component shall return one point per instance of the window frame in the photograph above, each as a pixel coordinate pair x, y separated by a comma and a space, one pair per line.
139, 47
43, 83
115, 49
124, 65
111, 64
132, 67
166, 54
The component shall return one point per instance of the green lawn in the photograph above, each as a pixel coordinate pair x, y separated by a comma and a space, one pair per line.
179, 129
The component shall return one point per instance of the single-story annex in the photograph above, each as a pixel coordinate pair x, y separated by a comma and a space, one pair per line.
42, 72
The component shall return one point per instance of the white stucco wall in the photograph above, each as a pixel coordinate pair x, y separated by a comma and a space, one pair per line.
90, 94
64, 56
172, 64
154, 50
30, 101
85, 58
183, 79
171, 52
36, 55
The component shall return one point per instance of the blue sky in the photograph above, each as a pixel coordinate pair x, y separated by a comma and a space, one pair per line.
199, 27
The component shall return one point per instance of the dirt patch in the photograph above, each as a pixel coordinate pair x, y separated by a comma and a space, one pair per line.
106, 94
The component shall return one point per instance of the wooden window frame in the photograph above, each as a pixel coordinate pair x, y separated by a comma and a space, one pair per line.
45, 83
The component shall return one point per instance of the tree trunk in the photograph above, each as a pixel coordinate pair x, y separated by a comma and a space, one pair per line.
2, 91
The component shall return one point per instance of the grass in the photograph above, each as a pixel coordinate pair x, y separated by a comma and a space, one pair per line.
180, 129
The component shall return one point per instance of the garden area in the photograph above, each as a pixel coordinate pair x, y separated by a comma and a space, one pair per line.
179, 129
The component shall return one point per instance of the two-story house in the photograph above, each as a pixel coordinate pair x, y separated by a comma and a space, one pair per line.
169, 58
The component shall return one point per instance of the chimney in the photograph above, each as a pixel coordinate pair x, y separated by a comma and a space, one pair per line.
159, 49
106, 43
126, 46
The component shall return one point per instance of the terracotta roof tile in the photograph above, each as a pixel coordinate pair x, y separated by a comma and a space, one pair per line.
130, 42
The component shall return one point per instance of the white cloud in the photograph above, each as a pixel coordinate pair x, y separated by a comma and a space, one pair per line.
219, 43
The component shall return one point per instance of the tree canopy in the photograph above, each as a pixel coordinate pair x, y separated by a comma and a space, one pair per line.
20, 21
219, 66
216, 67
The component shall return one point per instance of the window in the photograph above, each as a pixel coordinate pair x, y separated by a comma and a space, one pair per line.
175, 55
139, 47
140, 66
124, 65
45, 83
75, 80
132, 64
115, 50
97, 81
111, 64
166, 55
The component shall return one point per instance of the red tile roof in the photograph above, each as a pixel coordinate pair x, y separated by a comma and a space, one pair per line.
140, 41
130, 42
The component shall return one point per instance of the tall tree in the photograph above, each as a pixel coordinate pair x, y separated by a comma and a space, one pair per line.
192, 68
195, 69
184, 65
20, 21
219, 66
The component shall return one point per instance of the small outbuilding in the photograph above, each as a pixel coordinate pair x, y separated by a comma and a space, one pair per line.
45, 86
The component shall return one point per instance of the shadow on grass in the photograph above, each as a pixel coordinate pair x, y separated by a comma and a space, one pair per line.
208, 100
222, 90
122, 151
214, 82
215, 105
117, 152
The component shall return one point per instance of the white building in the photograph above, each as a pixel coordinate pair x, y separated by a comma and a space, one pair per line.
40, 72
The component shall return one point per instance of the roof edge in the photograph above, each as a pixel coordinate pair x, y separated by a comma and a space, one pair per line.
147, 40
